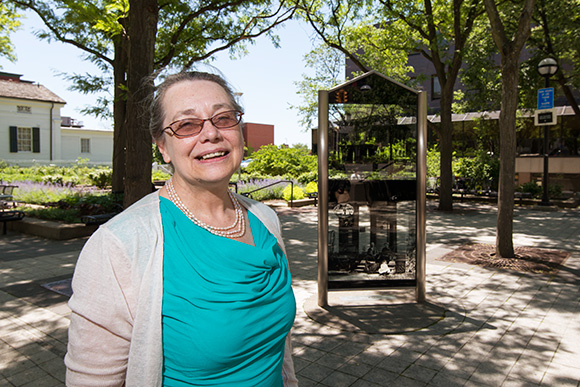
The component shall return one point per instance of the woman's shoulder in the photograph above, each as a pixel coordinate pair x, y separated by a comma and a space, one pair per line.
137, 227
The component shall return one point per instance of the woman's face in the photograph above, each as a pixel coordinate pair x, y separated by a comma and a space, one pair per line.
212, 155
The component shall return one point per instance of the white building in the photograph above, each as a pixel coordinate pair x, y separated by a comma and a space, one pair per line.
32, 130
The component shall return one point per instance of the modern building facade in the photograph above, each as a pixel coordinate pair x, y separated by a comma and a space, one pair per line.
564, 136
257, 135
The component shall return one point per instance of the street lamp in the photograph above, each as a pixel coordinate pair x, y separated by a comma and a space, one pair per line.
546, 68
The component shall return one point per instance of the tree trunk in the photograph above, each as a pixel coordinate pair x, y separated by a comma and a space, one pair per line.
507, 151
446, 144
143, 16
510, 52
119, 111
563, 82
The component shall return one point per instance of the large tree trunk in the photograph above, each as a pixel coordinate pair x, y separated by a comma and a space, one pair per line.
446, 144
119, 112
510, 52
143, 16
507, 151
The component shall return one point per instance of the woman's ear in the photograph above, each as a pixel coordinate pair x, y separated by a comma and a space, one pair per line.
161, 145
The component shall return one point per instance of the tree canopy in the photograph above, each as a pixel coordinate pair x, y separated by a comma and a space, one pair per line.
9, 22
177, 33
380, 35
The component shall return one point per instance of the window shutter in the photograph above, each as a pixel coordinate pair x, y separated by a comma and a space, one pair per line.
13, 139
36, 140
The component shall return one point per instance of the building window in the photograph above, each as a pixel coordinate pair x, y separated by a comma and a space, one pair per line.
85, 145
435, 87
23, 109
24, 138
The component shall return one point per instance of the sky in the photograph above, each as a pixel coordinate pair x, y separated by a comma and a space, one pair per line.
266, 76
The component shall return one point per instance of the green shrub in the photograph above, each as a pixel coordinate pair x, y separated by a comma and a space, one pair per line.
262, 189
480, 170
298, 192
101, 178
66, 203
433, 162
160, 176
311, 187
308, 177
54, 214
41, 193
554, 191
530, 187
337, 174
283, 161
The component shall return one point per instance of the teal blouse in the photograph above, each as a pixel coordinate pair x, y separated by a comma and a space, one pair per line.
227, 306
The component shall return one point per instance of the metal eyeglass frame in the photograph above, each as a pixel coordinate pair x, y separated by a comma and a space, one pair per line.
202, 121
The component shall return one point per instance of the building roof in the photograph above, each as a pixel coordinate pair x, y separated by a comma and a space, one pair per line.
28, 91
494, 115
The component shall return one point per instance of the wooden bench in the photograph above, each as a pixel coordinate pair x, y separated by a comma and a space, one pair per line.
8, 216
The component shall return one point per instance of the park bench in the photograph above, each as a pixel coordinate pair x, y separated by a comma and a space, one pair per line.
522, 196
98, 219
8, 216
91, 220
312, 195
6, 194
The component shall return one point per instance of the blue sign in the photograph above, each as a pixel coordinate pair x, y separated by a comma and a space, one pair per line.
546, 98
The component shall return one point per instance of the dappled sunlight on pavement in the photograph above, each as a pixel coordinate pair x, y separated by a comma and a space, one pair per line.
479, 326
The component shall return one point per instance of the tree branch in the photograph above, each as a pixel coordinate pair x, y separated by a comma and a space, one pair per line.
319, 28
58, 35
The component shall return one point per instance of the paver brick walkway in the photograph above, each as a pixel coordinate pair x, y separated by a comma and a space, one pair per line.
497, 327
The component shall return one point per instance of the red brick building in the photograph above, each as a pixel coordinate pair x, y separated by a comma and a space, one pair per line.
256, 135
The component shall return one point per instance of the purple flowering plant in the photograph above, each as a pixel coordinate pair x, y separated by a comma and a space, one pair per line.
63, 201
268, 191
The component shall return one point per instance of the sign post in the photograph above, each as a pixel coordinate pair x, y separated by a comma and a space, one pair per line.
545, 116
546, 98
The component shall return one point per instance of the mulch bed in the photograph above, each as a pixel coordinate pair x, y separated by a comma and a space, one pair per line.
527, 259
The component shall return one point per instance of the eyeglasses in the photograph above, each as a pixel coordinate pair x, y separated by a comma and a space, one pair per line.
188, 127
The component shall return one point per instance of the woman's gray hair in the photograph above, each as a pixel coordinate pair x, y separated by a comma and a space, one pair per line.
157, 111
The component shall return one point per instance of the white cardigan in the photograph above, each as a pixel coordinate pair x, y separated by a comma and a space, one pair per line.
115, 334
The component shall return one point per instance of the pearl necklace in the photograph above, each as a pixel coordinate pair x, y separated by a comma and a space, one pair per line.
236, 230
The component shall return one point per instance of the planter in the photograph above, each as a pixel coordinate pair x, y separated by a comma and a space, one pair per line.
50, 229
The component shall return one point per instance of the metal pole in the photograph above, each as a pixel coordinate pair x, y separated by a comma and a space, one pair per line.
545, 200
323, 198
421, 195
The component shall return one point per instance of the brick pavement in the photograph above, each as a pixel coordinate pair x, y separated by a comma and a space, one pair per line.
498, 327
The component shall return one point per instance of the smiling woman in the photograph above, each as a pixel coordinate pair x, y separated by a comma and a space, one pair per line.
151, 304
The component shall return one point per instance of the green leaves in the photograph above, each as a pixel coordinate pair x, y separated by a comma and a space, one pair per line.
282, 161
9, 22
